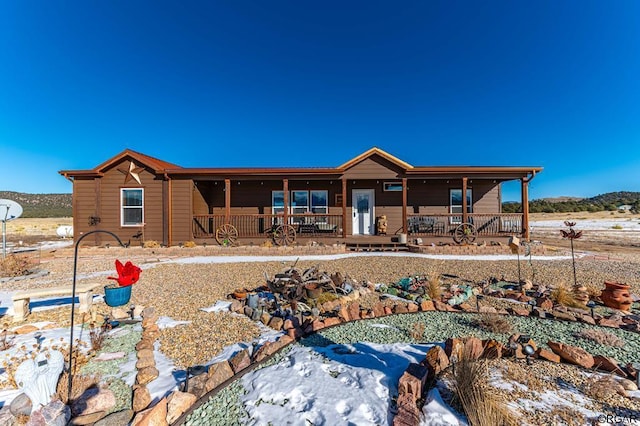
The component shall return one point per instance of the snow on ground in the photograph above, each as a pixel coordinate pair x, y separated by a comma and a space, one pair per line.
333, 385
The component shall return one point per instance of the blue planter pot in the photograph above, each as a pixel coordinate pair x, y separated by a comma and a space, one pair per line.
117, 296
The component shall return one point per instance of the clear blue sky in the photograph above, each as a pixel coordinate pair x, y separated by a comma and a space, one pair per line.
300, 83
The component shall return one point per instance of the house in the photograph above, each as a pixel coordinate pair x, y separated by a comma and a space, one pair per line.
139, 197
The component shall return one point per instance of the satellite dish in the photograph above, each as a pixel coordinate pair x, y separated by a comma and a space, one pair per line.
9, 210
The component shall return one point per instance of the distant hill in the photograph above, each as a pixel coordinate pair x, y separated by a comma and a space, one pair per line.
41, 205
609, 202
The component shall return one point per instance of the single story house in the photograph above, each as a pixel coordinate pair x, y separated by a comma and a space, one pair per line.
139, 197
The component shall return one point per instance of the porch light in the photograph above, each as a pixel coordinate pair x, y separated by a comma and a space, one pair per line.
479, 297
532, 303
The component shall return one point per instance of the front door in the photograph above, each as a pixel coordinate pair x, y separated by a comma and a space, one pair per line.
362, 212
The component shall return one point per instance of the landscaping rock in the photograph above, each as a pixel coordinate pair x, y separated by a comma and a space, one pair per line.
146, 375
547, 355
492, 349
354, 311
21, 405
453, 348
141, 398
436, 360
605, 363
328, 322
87, 419
177, 403
572, 354
118, 418
240, 361
94, 400
25, 329
473, 348
427, 305
219, 373
276, 323
378, 309
154, 416
119, 313
408, 413
400, 308
413, 380
54, 413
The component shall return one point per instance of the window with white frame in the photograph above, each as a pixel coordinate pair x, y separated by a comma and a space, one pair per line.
302, 202
455, 204
131, 206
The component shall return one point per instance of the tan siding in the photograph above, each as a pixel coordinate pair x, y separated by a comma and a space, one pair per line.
373, 168
181, 202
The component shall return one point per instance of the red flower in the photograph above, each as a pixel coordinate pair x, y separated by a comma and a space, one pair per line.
127, 274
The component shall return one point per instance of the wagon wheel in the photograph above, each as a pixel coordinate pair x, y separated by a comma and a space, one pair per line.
465, 233
226, 235
284, 235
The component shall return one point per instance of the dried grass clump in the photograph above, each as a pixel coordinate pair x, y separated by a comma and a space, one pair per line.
600, 336
190, 244
563, 295
14, 266
417, 331
434, 286
492, 322
151, 244
479, 401
79, 385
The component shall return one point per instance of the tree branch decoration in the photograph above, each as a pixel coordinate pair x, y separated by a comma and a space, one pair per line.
572, 234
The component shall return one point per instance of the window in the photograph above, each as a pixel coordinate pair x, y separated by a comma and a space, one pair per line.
455, 204
302, 202
320, 204
392, 186
132, 207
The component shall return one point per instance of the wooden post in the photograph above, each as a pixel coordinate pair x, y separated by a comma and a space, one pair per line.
227, 200
465, 217
344, 208
525, 208
285, 188
404, 206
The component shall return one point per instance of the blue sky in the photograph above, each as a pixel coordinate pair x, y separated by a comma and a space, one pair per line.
296, 83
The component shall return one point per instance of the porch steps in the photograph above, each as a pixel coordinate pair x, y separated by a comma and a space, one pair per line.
371, 246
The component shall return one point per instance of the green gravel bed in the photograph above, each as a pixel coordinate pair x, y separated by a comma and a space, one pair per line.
225, 407
109, 370
441, 325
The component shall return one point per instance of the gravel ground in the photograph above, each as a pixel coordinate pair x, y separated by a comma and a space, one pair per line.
179, 290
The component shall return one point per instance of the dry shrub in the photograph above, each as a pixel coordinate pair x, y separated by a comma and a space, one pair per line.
492, 322
79, 385
479, 401
417, 331
602, 387
190, 244
434, 286
600, 336
325, 297
14, 266
563, 295
151, 244
6, 338
97, 336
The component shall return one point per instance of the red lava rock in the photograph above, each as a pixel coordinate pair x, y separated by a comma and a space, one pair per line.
436, 360
413, 380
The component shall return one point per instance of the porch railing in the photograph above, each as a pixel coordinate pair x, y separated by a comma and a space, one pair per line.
444, 225
259, 225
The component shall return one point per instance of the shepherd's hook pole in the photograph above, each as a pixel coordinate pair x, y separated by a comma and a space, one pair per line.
73, 299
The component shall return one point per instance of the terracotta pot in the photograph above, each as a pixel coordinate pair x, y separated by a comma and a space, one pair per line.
240, 294
616, 295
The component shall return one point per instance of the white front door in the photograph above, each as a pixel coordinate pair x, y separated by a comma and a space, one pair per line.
362, 211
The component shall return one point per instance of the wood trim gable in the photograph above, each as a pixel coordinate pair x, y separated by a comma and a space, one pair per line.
371, 152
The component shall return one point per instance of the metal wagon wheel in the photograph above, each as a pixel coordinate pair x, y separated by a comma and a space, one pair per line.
226, 235
465, 233
284, 235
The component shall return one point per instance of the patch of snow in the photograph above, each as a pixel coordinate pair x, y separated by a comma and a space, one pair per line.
167, 322
436, 412
219, 306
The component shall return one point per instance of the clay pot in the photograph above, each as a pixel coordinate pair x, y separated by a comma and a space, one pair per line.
240, 294
616, 295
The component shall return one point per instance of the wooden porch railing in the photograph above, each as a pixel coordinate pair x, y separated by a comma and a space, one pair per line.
489, 225
258, 225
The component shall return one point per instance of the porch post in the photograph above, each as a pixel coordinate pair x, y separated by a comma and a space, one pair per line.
227, 200
465, 217
525, 208
404, 205
285, 188
344, 208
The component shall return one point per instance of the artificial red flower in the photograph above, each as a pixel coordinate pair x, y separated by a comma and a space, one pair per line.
127, 274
